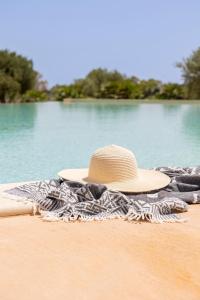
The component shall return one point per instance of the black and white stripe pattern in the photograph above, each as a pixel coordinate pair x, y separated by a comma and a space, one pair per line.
69, 201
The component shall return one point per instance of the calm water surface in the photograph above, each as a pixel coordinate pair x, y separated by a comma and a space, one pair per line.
37, 140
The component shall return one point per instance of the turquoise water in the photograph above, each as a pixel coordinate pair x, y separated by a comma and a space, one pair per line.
37, 140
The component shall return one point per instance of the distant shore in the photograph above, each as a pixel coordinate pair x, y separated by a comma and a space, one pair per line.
149, 101
116, 101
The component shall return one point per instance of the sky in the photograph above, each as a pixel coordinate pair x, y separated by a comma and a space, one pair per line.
66, 39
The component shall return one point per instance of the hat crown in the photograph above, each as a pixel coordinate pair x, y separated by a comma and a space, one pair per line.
112, 163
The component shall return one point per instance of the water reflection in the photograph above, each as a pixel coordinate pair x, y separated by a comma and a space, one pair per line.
170, 109
103, 109
15, 117
191, 122
56, 135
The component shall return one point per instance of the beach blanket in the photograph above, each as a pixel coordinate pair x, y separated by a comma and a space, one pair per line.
59, 199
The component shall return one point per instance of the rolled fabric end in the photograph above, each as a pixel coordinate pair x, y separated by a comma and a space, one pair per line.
16, 209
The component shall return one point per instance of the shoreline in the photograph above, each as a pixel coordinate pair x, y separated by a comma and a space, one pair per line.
116, 101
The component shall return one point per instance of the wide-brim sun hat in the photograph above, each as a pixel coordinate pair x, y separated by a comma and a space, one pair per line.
116, 167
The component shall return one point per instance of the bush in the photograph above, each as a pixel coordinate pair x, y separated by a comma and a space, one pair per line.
34, 96
171, 91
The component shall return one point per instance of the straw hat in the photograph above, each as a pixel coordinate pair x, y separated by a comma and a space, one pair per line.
116, 167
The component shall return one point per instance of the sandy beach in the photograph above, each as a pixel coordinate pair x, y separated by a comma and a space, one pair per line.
99, 260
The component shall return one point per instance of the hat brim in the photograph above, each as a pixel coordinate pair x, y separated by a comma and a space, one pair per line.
146, 181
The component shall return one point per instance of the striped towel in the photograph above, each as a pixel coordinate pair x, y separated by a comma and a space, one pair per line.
68, 200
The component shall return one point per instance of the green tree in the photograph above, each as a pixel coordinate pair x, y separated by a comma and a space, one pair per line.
9, 88
97, 80
18, 73
101, 83
125, 88
109, 90
149, 88
61, 92
191, 74
34, 95
171, 91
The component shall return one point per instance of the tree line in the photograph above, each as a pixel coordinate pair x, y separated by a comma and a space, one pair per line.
19, 82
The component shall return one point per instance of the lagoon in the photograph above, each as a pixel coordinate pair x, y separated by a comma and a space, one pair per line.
39, 139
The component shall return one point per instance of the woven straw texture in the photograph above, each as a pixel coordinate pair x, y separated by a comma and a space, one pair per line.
116, 167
